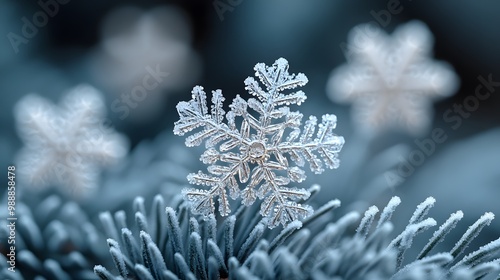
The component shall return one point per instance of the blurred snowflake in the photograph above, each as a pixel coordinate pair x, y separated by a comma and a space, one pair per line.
65, 146
265, 148
136, 45
391, 79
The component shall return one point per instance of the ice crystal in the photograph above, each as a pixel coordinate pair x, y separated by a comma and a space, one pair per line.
65, 146
391, 79
253, 150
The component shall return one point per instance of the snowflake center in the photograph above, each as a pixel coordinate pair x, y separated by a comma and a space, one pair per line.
257, 150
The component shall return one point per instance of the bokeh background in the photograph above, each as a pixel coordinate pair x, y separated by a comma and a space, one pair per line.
110, 44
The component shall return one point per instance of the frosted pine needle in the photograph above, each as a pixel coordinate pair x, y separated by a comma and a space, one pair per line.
471, 233
391, 80
241, 248
440, 234
253, 151
389, 210
366, 222
66, 145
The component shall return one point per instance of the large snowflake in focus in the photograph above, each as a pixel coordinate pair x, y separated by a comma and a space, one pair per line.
252, 150
65, 146
391, 79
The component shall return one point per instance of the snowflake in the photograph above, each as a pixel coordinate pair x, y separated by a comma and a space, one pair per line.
137, 48
252, 150
64, 146
391, 80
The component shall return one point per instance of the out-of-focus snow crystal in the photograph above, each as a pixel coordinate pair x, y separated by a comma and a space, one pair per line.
252, 151
391, 80
65, 146
142, 56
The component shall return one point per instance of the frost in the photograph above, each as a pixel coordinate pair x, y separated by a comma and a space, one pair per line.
391, 80
66, 145
440, 234
254, 151
389, 210
366, 222
471, 233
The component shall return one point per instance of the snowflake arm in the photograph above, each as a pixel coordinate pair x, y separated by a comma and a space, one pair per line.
194, 114
325, 143
249, 150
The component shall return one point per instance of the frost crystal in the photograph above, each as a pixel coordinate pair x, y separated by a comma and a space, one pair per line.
391, 79
253, 150
65, 146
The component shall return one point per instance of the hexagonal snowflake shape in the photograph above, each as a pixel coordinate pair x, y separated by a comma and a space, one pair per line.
391, 80
65, 146
251, 148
